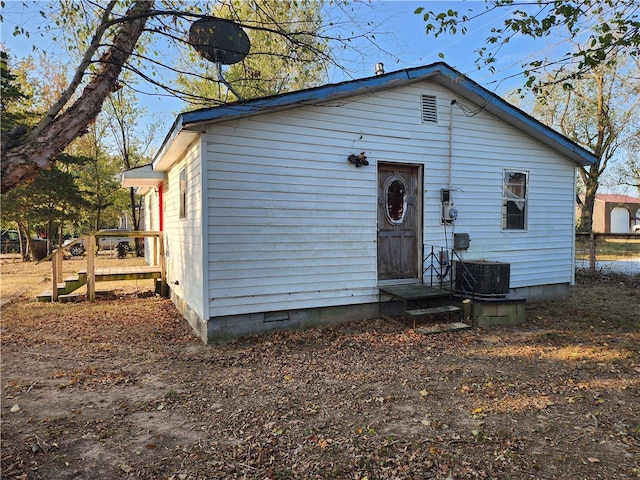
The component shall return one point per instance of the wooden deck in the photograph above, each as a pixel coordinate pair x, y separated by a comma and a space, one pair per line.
127, 273
110, 274
412, 291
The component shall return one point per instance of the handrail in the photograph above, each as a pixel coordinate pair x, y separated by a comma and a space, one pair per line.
441, 264
91, 240
438, 264
66, 247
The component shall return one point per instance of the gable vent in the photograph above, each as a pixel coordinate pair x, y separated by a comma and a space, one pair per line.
429, 110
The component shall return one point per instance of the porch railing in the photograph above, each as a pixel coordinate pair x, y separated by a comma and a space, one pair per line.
57, 258
445, 268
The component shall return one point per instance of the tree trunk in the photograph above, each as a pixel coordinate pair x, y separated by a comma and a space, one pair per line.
25, 247
21, 163
591, 188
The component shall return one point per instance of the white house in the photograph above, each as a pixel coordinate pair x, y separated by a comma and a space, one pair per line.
273, 217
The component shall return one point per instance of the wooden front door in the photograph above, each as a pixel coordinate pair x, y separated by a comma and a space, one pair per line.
399, 221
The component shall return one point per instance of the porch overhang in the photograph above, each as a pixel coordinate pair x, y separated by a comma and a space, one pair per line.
144, 178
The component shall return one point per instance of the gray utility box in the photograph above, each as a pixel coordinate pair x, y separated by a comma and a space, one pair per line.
461, 241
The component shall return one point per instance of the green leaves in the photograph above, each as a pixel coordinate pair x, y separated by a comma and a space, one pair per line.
615, 24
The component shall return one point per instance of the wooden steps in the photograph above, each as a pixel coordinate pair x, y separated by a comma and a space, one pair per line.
70, 298
71, 284
423, 312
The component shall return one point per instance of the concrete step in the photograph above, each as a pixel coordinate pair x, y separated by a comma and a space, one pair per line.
442, 328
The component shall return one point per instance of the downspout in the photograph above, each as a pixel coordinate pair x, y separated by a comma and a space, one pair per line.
453, 102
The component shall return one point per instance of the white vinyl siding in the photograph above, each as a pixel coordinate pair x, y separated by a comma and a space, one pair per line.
292, 224
150, 221
483, 147
289, 229
183, 236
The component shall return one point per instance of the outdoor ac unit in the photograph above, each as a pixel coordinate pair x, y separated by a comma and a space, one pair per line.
482, 277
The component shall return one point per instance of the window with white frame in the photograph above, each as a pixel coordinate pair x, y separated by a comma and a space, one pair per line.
514, 200
183, 193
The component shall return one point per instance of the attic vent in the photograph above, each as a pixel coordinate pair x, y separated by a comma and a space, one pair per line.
429, 110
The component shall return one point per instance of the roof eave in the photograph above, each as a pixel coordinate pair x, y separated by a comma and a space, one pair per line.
496, 106
189, 125
311, 96
143, 178
176, 142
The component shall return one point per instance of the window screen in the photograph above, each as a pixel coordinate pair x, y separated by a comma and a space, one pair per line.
514, 200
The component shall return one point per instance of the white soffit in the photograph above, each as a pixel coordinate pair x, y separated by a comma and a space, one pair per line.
178, 141
142, 177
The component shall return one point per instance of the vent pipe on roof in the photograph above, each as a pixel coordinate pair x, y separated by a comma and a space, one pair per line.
379, 68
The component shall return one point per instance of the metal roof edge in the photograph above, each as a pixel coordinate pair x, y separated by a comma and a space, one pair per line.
311, 96
175, 129
440, 72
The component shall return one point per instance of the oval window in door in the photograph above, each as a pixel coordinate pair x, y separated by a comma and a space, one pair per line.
396, 200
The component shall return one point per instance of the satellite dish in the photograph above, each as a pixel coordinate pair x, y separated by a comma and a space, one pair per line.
219, 40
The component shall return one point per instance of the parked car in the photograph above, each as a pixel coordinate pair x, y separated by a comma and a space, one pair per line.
77, 248
10, 243
104, 242
116, 242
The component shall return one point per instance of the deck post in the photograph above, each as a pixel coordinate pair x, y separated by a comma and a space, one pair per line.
90, 244
156, 254
55, 267
60, 257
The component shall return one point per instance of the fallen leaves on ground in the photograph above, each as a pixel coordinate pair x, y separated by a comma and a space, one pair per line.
122, 388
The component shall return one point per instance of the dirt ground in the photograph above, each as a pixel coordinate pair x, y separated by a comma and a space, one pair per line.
122, 389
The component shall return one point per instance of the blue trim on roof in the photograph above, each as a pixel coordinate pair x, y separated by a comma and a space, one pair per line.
439, 72
301, 97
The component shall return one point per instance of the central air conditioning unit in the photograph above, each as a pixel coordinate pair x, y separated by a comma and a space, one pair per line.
482, 277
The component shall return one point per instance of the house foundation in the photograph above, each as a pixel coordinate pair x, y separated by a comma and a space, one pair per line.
485, 312
224, 328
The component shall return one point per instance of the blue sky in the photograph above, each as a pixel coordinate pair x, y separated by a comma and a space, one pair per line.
400, 42
404, 43
400, 34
